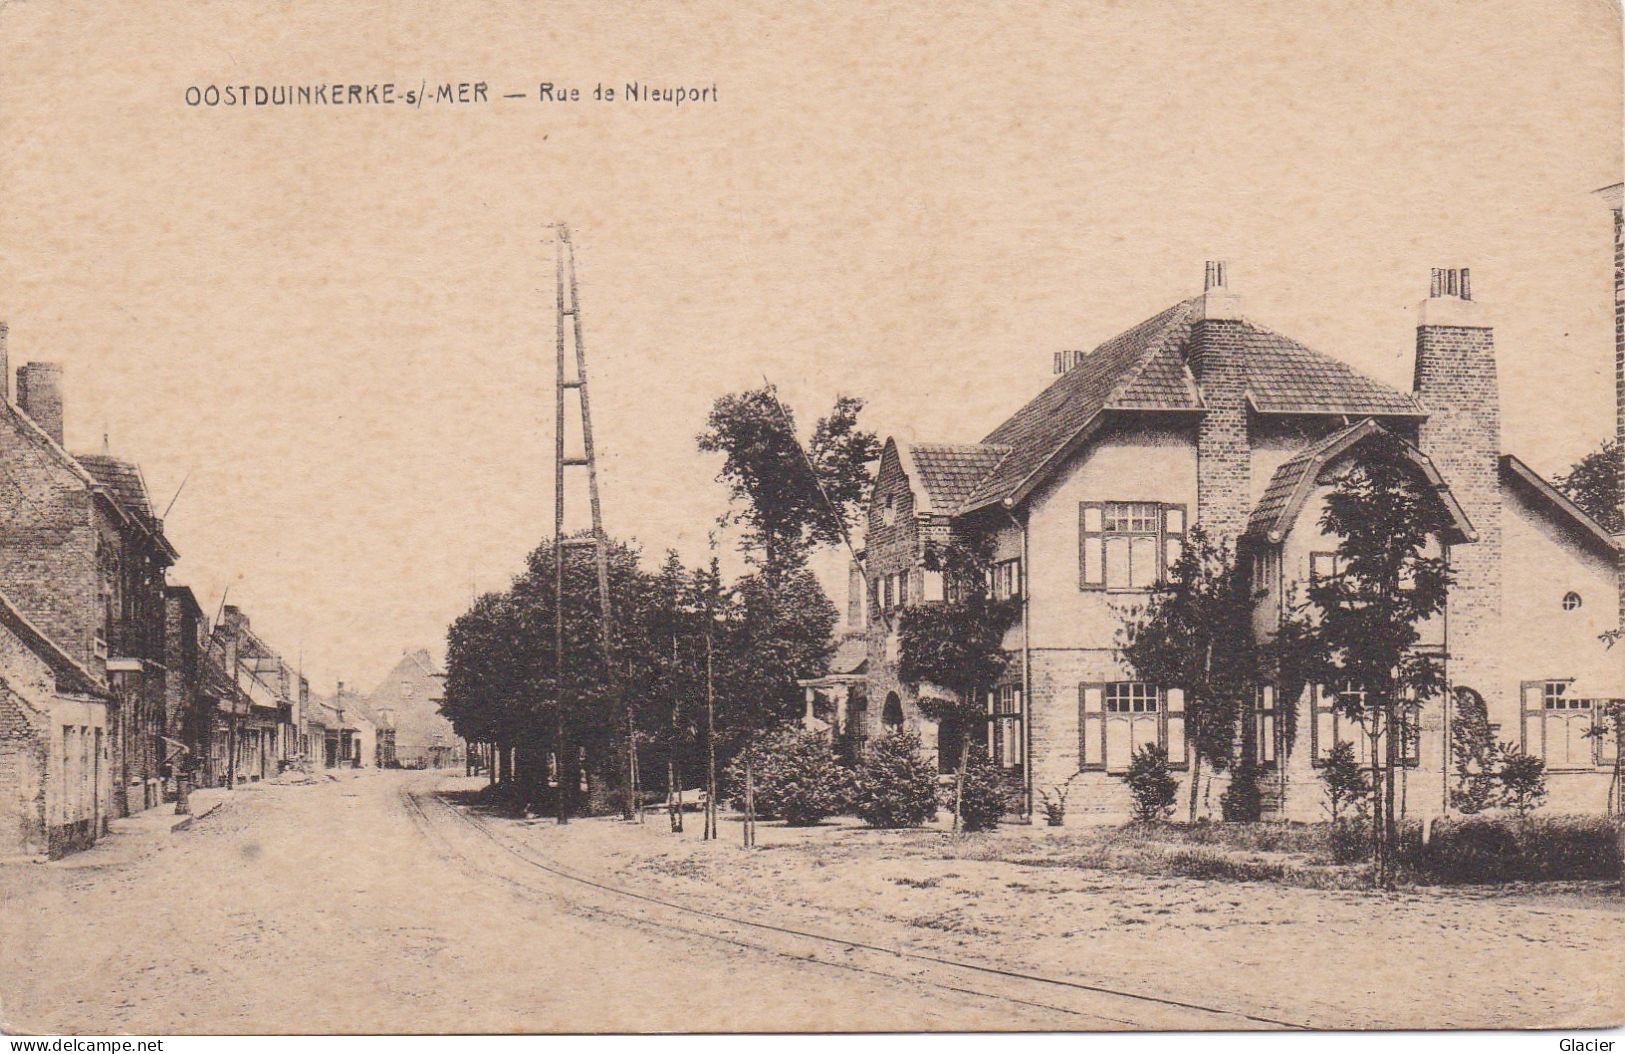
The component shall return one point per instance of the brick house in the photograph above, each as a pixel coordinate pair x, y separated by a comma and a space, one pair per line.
83, 557
1199, 415
265, 732
55, 783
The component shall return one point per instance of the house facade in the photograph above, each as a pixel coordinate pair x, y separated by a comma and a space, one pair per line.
56, 782
407, 700
83, 557
1199, 415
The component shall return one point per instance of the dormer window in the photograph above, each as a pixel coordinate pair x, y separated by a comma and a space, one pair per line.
1571, 601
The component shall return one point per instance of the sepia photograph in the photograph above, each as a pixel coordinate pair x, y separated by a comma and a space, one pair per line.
633, 518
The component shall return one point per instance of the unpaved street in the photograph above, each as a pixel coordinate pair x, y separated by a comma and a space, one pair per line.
369, 905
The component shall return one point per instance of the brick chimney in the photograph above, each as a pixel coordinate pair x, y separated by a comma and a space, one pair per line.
1218, 360
39, 395
5, 363
1457, 385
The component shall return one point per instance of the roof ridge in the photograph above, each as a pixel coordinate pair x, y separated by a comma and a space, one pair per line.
1326, 357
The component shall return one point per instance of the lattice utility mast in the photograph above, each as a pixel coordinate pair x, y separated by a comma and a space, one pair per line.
569, 306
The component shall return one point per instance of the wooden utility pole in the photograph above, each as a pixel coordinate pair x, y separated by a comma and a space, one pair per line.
569, 305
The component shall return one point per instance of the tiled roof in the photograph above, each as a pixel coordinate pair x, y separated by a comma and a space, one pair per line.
1513, 468
1040, 430
1144, 368
1283, 376
949, 472
1292, 483
120, 477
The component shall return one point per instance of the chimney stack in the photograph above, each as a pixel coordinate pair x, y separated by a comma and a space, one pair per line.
1218, 359
39, 394
1457, 384
5, 363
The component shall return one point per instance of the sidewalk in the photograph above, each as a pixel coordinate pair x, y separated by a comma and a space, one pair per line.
144, 832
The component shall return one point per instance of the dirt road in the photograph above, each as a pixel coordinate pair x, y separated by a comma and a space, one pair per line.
371, 905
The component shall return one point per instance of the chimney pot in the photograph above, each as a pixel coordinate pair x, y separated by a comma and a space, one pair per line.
1450, 301
1218, 303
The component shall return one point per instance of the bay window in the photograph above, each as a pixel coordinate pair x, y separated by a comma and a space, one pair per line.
1128, 545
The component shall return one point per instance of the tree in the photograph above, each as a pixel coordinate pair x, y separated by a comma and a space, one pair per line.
1153, 789
1523, 780
1593, 483
956, 644
1359, 626
1196, 633
1347, 787
797, 778
983, 795
788, 499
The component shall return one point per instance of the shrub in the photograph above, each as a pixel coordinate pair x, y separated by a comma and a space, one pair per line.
1523, 780
796, 777
1348, 788
1055, 805
895, 786
1350, 840
1509, 849
1241, 801
1153, 789
985, 795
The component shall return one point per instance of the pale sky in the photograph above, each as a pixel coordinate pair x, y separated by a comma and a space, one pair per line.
339, 320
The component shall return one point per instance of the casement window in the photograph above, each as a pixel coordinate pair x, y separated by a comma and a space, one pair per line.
902, 589
1004, 726
1125, 545
1328, 727
1116, 719
1004, 579
1266, 739
1556, 726
886, 597
1266, 570
888, 511
1324, 565
875, 607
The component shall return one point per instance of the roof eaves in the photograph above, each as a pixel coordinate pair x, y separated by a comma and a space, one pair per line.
1027, 484
1512, 463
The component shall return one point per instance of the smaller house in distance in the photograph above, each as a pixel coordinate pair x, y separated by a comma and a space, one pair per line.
407, 700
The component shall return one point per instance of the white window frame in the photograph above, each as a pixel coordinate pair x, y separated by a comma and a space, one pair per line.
1150, 529
1110, 706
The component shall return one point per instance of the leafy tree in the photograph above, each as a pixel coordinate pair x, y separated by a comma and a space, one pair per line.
1348, 789
983, 794
1472, 754
1593, 483
957, 645
789, 500
1360, 626
1610, 727
1523, 780
1196, 633
1152, 787
895, 786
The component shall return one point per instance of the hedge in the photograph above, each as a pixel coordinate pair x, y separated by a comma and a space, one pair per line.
1479, 849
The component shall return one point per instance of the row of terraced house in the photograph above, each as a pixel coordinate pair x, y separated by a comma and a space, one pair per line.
115, 685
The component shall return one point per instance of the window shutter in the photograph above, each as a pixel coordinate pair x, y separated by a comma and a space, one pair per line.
1091, 545
1173, 535
1534, 725
1174, 700
933, 591
1091, 730
1325, 726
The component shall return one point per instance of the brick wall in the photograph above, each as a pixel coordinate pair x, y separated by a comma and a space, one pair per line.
1224, 459
1456, 379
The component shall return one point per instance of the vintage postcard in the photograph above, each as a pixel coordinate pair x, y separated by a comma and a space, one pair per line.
611, 517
